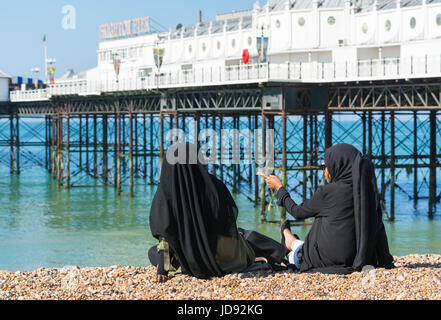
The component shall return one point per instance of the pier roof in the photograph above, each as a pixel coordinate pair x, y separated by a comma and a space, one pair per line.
360, 5
4, 75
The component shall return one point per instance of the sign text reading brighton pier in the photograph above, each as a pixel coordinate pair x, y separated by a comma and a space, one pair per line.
125, 28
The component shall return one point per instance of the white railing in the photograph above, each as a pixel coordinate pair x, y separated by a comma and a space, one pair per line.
313, 72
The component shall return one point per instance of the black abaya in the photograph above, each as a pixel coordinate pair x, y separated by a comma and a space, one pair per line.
193, 210
348, 232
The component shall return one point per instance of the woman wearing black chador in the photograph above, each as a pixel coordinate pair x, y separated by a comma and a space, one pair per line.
348, 232
193, 216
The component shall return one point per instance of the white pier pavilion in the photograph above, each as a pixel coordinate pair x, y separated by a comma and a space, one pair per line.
309, 41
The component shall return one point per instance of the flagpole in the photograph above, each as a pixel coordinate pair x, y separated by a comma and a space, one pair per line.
45, 62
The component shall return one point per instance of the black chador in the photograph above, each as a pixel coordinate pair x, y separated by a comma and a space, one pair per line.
348, 232
193, 215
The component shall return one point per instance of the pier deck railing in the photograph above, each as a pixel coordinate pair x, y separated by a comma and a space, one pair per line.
307, 72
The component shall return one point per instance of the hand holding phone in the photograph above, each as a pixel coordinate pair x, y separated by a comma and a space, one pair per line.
261, 174
272, 181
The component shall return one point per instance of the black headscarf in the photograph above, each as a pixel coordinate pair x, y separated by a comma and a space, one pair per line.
190, 209
346, 164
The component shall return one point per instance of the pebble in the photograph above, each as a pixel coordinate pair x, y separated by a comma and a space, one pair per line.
415, 277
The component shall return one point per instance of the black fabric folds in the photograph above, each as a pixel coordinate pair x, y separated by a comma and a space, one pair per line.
264, 246
190, 209
371, 240
348, 232
348, 166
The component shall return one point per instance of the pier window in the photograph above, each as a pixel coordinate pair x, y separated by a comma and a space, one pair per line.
412, 23
388, 25
331, 20
233, 43
364, 28
250, 41
186, 68
278, 24
301, 21
145, 72
438, 19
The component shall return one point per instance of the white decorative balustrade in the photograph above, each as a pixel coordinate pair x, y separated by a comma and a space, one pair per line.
309, 72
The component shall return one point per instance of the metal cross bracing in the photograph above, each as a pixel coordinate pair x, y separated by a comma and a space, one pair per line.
299, 150
244, 99
404, 95
120, 140
402, 146
22, 142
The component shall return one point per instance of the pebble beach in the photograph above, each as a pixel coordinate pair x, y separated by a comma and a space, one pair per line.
416, 277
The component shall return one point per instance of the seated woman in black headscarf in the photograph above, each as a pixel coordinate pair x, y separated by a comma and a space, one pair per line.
348, 232
193, 215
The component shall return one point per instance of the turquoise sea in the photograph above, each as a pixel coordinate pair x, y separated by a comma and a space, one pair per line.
44, 226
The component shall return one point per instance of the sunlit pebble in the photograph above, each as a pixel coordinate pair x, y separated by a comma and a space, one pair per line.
417, 277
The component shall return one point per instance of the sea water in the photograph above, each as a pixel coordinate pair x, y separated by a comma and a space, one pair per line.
44, 226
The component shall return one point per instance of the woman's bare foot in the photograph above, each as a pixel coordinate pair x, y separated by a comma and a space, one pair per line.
160, 278
260, 259
289, 238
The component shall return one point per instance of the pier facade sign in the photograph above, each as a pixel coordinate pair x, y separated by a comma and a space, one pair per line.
126, 28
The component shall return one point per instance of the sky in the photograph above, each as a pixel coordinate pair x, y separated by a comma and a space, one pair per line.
23, 24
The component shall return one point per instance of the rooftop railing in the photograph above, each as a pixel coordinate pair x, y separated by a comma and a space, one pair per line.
308, 72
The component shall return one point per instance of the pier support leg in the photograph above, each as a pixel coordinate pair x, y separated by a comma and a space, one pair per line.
14, 143
256, 177
392, 166
17, 143
130, 155
284, 159
135, 146
59, 150
95, 147
432, 180
53, 147
152, 150
383, 157
87, 145
144, 137
415, 157
161, 138
118, 149
80, 141
235, 150
328, 129
214, 150
262, 184
221, 166
105, 170
68, 151
305, 156
12, 140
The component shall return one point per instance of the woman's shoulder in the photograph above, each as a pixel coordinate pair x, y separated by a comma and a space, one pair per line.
335, 188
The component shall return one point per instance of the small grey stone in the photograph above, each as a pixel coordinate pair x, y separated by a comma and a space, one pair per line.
367, 268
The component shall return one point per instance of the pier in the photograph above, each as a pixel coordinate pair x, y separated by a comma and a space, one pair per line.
118, 137
369, 76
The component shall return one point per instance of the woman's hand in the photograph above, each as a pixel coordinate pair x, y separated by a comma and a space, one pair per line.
273, 182
160, 278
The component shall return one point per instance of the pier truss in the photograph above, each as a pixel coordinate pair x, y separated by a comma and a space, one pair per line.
119, 139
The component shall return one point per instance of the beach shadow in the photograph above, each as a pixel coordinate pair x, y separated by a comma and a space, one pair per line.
420, 265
